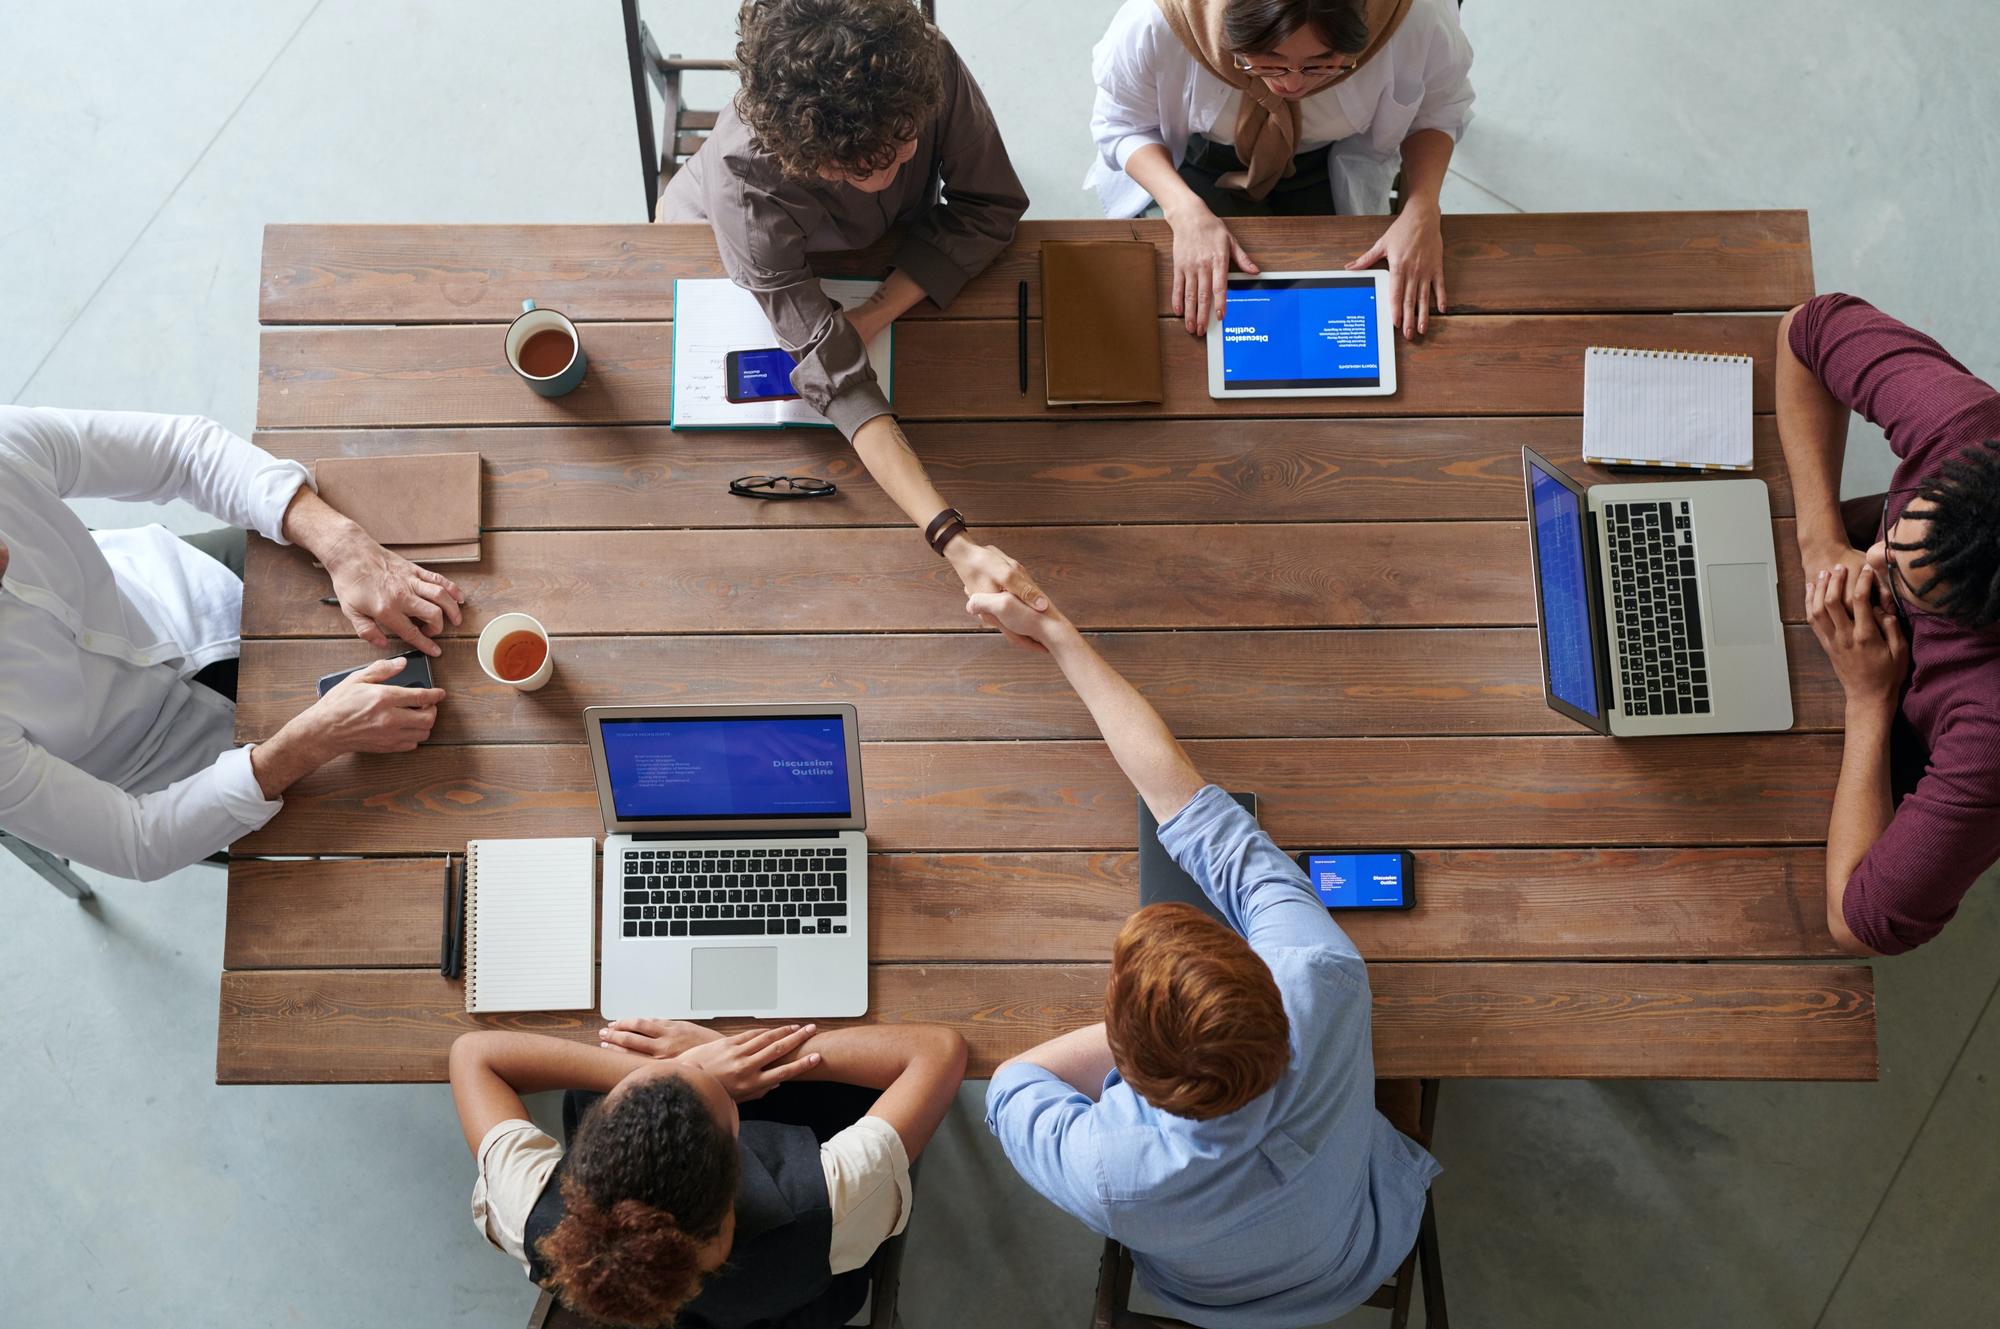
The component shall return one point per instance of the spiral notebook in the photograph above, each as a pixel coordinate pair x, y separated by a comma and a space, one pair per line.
530, 917
1685, 409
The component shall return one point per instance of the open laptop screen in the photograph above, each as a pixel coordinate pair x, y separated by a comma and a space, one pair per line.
1563, 589
731, 767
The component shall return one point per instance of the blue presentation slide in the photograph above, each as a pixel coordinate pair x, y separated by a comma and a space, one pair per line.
1357, 881
749, 766
1565, 593
1311, 332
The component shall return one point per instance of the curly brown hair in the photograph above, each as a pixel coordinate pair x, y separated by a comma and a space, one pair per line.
836, 84
651, 1176
1193, 1016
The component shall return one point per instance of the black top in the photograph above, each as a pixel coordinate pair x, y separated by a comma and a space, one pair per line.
777, 1275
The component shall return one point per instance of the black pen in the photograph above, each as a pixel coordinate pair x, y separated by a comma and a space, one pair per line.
1021, 325
329, 599
444, 928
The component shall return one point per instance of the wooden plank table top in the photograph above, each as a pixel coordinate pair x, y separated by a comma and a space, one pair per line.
1328, 599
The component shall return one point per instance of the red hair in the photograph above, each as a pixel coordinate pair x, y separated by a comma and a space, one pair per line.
1193, 1016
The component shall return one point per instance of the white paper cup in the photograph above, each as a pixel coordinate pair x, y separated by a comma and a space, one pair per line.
500, 628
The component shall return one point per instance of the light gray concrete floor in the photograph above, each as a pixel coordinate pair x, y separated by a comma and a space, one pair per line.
145, 146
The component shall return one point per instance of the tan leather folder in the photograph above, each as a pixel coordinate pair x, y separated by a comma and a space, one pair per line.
426, 507
1100, 322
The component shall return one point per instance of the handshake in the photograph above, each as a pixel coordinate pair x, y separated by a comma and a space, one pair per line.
1001, 594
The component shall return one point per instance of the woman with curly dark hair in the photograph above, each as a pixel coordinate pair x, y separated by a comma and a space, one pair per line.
673, 1205
856, 117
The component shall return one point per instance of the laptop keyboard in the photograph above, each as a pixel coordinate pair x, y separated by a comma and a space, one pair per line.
778, 891
1656, 608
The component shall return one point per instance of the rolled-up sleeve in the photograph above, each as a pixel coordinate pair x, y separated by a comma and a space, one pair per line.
1262, 893
867, 1189
74, 815
1044, 1127
147, 458
958, 237
763, 249
516, 1160
1448, 95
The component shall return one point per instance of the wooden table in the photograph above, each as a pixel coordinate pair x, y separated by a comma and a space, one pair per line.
1329, 599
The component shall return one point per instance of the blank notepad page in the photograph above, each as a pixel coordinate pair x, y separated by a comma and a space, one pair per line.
1666, 408
530, 925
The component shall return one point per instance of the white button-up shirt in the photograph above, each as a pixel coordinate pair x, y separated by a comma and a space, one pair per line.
1150, 89
110, 753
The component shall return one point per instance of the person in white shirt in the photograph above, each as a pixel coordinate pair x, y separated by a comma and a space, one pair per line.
113, 753
685, 1193
1219, 108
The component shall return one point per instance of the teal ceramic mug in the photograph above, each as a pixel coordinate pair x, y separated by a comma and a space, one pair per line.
545, 351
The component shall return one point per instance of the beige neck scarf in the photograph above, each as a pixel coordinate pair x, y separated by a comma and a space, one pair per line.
1267, 128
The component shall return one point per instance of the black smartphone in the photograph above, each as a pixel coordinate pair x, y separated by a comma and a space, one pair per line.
761, 375
1362, 878
416, 673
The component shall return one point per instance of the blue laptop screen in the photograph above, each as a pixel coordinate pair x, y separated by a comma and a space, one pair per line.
737, 766
1306, 332
1565, 592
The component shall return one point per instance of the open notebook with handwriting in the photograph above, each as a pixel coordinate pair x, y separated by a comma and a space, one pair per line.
714, 316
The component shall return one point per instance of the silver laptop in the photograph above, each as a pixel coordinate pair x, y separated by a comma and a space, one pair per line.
1658, 604
735, 870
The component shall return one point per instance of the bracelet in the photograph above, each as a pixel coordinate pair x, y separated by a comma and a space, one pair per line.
943, 529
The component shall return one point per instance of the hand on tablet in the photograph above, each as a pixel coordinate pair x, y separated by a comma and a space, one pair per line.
1203, 252
1414, 246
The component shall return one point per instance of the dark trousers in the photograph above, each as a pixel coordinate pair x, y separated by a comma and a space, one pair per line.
1306, 192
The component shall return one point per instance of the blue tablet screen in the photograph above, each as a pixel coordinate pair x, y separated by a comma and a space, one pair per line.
1300, 332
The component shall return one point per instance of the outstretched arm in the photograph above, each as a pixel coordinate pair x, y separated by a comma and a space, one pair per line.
1139, 740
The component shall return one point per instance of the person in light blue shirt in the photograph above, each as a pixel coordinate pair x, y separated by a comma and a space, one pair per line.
1221, 1123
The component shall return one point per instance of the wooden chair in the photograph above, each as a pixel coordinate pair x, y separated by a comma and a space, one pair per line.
1114, 1271
682, 129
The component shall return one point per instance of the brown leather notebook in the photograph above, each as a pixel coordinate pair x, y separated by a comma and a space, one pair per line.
426, 507
1100, 322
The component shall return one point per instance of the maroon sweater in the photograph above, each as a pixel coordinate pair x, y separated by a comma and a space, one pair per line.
1947, 830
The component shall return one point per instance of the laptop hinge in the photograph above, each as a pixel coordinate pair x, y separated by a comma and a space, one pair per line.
736, 835
1607, 643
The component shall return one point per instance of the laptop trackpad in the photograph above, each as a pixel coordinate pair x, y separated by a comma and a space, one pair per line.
736, 978
1739, 604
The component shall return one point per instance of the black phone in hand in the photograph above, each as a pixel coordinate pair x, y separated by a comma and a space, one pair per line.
415, 673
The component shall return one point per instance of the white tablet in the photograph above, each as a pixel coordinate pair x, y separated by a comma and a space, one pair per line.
1304, 334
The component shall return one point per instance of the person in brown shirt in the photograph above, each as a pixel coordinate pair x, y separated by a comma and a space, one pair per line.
856, 117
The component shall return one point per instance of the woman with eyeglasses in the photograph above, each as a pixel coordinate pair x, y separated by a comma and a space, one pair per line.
1242, 108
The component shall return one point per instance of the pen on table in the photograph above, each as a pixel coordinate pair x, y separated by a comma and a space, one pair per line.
444, 928
1021, 326
329, 599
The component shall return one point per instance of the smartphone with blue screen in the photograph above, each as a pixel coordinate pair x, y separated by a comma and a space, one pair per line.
762, 375
1362, 878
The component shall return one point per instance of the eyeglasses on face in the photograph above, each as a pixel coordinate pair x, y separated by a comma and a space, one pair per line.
1272, 69
780, 487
